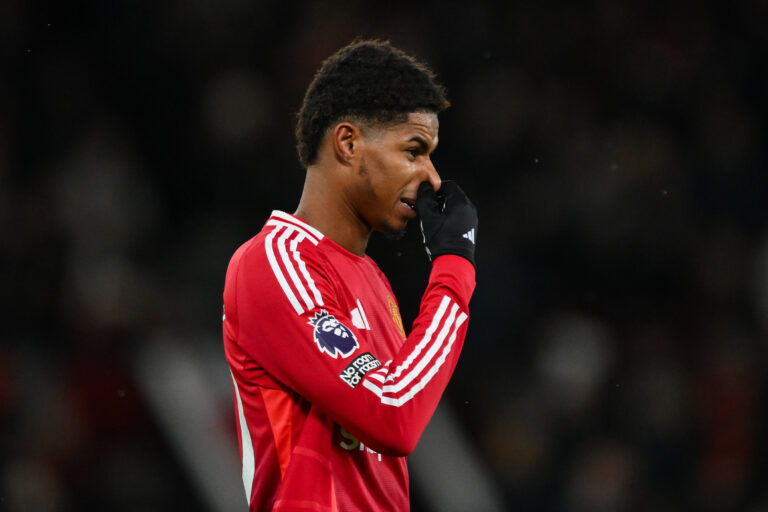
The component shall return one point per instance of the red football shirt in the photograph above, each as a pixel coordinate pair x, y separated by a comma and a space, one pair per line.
330, 394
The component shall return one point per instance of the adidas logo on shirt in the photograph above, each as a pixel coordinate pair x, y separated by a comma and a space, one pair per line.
358, 317
470, 235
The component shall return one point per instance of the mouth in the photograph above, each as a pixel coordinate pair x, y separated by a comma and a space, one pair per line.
410, 203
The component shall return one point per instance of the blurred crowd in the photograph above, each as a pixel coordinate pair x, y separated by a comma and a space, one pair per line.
617, 353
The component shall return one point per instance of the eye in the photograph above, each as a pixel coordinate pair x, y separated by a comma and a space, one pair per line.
414, 152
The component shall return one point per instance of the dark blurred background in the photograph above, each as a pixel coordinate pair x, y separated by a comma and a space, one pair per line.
617, 353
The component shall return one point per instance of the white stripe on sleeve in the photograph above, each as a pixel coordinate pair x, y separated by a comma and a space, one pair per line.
307, 235
268, 246
297, 221
410, 376
290, 268
303, 268
432, 371
373, 387
376, 376
424, 341
434, 357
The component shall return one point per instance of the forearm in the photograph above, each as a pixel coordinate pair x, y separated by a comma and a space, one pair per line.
407, 390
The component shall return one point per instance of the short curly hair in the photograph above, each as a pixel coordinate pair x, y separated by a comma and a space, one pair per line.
367, 80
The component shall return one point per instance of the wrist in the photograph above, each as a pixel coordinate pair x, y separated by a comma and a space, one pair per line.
454, 272
458, 247
453, 263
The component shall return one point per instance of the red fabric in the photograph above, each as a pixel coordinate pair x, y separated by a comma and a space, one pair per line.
279, 407
349, 436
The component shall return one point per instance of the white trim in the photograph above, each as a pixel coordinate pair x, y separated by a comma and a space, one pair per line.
373, 387
289, 267
376, 376
408, 378
424, 341
303, 267
432, 371
279, 273
309, 236
413, 391
295, 220
249, 465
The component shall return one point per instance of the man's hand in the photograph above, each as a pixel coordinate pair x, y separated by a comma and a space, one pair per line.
448, 221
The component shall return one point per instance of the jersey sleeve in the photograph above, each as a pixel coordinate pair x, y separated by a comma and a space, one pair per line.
289, 320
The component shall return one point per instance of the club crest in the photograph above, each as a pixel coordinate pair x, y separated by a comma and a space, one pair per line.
332, 336
393, 309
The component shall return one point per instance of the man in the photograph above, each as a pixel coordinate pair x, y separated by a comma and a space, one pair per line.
330, 394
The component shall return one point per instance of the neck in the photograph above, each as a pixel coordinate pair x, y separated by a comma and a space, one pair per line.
325, 207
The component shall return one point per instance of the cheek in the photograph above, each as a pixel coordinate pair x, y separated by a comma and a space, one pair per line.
388, 173
400, 169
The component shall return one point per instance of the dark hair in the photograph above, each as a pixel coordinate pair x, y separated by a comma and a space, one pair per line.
371, 81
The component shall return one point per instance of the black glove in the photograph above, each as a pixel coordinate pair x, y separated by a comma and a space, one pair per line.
448, 221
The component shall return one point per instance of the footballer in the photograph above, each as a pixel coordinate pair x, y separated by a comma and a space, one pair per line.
331, 393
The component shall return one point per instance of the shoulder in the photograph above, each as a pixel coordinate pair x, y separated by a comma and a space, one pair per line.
285, 261
283, 242
285, 248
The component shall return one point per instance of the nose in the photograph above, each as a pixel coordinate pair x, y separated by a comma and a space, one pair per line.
432, 176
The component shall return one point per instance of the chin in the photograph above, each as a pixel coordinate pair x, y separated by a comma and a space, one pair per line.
393, 231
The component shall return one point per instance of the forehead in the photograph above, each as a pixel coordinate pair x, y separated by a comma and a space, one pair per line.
425, 123
418, 124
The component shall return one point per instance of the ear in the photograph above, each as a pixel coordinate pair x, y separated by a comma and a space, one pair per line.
347, 142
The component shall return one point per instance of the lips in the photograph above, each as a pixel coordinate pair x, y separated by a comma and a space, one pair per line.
408, 207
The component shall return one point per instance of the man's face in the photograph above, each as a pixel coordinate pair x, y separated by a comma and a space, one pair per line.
395, 161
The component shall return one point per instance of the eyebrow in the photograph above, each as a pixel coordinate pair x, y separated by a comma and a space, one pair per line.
421, 142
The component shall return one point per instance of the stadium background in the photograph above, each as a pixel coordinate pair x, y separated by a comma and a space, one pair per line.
616, 358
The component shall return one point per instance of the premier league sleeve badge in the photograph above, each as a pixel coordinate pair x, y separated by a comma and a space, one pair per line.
332, 336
